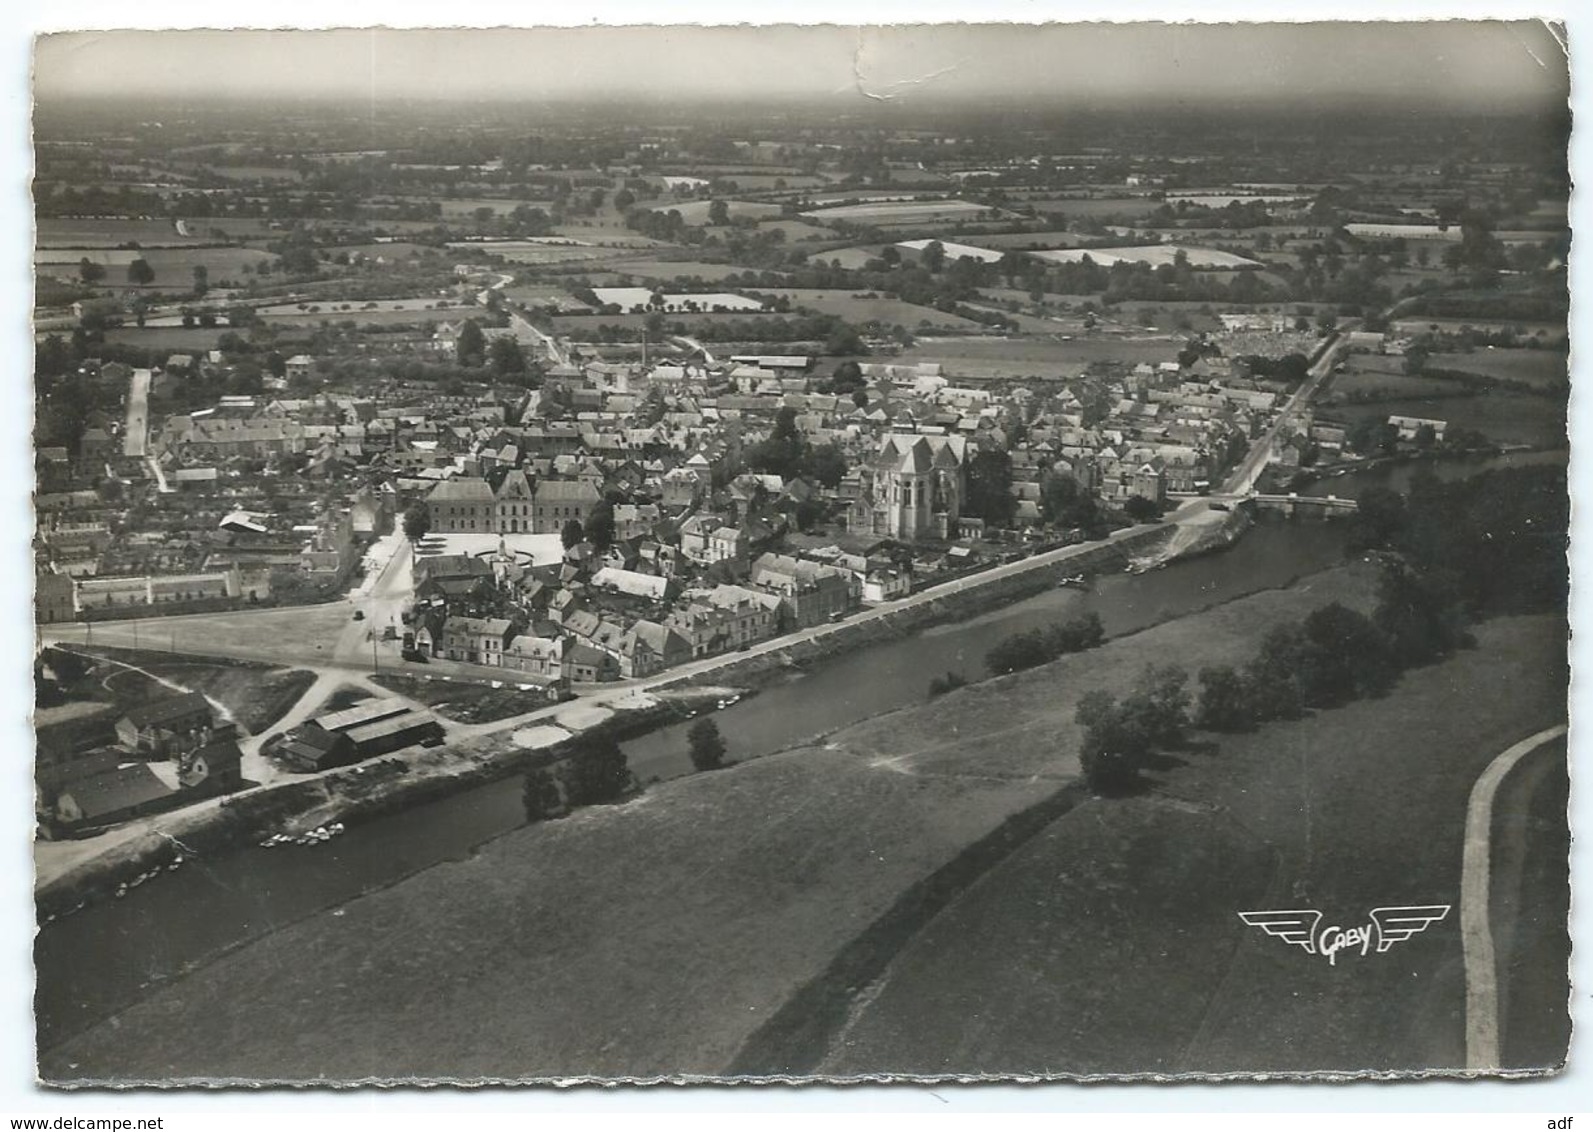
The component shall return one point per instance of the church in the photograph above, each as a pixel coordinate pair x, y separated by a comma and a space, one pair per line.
913, 488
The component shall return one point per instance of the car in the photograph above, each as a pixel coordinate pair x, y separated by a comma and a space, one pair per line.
1221, 507
359, 615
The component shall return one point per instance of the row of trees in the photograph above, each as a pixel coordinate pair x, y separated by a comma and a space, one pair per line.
598, 773
1452, 552
1033, 647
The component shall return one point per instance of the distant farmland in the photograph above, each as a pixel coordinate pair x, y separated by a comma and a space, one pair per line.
900, 212
989, 358
859, 308
173, 267
696, 211
108, 233
1155, 254
665, 270
1542, 368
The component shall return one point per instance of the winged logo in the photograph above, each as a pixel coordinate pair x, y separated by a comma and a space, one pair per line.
1396, 925
1296, 925
1386, 927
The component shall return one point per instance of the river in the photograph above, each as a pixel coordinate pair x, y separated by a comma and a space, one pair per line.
102, 958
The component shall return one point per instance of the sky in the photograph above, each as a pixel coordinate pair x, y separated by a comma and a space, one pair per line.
1506, 65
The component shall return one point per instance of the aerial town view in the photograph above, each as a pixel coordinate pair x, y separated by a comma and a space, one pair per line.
940, 552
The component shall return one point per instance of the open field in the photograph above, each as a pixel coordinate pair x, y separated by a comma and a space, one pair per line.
1504, 418
1548, 331
1543, 368
608, 232
1011, 357
1310, 811
177, 338
853, 259
1391, 382
1155, 254
1223, 200
173, 267
536, 254
256, 173
1096, 208
255, 697
629, 298
464, 207
334, 312
1052, 238
66, 233
795, 230
773, 182
575, 325
857, 308
696, 211
899, 212
543, 295
656, 936
665, 270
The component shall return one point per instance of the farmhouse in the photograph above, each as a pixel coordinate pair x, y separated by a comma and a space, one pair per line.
1409, 426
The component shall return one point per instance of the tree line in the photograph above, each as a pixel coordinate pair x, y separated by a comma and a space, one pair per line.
1450, 553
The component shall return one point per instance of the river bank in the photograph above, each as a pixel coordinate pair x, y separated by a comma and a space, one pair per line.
656, 936
372, 789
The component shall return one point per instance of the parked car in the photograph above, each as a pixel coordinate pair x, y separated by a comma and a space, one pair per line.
359, 615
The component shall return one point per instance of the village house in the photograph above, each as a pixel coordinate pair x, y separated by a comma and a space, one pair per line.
477, 640
810, 593
161, 728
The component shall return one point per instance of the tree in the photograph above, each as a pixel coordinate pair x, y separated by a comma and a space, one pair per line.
860, 398
1224, 702
847, 376
571, 534
1159, 703
471, 349
1357, 657
990, 488
541, 796
600, 525
933, 257
1140, 509
1280, 673
940, 685
718, 213
1380, 516
1114, 748
417, 521
827, 464
201, 279
140, 273
506, 357
89, 271
598, 772
705, 745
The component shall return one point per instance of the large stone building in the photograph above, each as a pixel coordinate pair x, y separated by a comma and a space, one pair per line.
468, 505
913, 487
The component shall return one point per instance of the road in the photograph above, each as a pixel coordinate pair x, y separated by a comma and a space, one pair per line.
556, 352
135, 441
1477, 908
1243, 478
